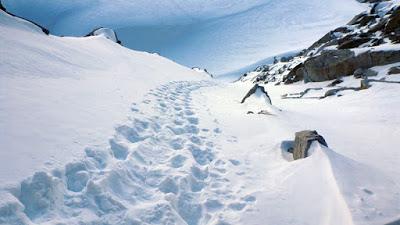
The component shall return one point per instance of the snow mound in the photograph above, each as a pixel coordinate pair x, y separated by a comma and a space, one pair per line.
106, 33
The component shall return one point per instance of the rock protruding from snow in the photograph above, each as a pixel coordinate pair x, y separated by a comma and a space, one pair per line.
334, 64
257, 89
105, 32
303, 141
394, 70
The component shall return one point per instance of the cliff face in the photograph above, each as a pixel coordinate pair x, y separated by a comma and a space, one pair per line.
370, 39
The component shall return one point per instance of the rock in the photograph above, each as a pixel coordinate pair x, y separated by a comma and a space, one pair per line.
393, 22
335, 82
394, 70
254, 90
329, 65
333, 64
364, 84
353, 43
295, 75
303, 141
359, 73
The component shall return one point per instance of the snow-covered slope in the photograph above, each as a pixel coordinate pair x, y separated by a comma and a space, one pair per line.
59, 95
222, 36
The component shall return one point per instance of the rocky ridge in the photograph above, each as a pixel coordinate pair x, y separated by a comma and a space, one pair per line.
371, 38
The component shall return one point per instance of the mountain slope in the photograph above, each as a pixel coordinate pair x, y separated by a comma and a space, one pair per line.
60, 94
218, 35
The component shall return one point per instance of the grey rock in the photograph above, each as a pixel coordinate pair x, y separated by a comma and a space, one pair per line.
360, 72
303, 141
336, 63
364, 84
394, 70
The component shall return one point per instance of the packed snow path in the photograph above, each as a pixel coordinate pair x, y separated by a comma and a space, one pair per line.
162, 167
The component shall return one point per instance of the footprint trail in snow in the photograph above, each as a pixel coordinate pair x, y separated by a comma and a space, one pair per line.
162, 167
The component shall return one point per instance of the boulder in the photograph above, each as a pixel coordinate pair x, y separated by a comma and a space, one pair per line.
364, 84
394, 70
255, 89
360, 72
334, 64
303, 141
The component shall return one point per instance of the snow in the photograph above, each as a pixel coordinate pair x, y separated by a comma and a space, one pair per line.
222, 36
94, 133
59, 95
106, 33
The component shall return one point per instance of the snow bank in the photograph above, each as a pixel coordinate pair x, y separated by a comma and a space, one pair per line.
59, 95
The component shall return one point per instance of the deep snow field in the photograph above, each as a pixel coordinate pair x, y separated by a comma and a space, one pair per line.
95, 133
220, 35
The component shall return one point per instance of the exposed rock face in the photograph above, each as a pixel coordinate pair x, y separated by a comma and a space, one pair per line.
303, 141
253, 90
337, 63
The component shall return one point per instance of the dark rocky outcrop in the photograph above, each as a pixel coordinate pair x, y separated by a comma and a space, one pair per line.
394, 70
336, 63
361, 72
253, 90
303, 141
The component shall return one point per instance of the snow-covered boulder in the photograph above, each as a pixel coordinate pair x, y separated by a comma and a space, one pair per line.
303, 141
106, 33
258, 91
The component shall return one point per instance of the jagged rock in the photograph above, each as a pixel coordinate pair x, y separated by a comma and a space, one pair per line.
394, 70
254, 90
360, 72
303, 141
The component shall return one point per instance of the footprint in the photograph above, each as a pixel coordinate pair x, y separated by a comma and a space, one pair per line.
237, 206
193, 120
213, 205
178, 161
120, 151
234, 162
176, 144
